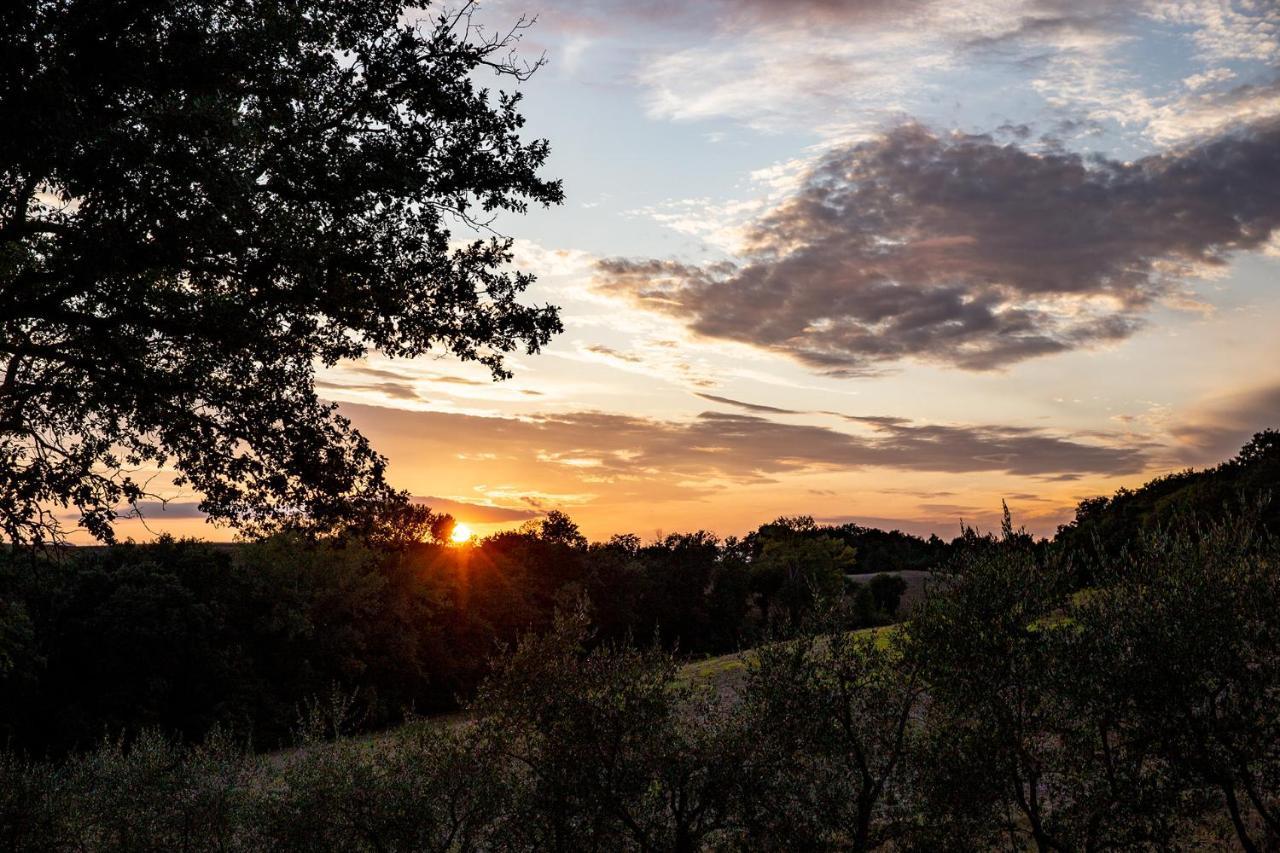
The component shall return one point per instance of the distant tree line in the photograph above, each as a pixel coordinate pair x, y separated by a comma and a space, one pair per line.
185, 636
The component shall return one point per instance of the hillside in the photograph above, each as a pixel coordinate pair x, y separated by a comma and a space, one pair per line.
1248, 481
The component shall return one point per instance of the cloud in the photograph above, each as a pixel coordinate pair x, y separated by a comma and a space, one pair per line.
1208, 78
913, 526
394, 390
958, 250
610, 352
477, 513
1095, 75
598, 17
1059, 24
778, 77
1214, 111
391, 384
750, 407
947, 522
1216, 429
746, 448
821, 11
1245, 30
838, 69
164, 510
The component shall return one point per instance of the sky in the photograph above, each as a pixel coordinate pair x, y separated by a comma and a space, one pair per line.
878, 262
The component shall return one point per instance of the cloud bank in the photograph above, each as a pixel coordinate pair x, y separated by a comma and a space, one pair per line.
959, 250
747, 448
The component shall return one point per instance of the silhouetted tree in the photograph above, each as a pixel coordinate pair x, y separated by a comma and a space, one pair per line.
1183, 646
1105, 527
441, 528
605, 752
560, 528
886, 591
201, 201
990, 684
796, 563
837, 712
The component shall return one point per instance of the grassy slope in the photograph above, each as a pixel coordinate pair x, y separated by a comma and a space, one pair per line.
725, 673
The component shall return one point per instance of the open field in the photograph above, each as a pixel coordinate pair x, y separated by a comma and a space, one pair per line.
725, 673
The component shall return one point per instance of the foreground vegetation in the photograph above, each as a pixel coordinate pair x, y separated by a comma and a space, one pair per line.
1012, 712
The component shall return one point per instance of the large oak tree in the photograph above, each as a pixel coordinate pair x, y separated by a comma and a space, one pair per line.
200, 200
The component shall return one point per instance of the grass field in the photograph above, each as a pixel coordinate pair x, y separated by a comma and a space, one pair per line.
725, 672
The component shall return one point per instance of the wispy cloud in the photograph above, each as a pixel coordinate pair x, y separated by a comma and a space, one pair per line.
478, 513
750, 407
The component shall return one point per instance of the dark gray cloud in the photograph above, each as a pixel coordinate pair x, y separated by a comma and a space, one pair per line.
477, 513
165, 510
960, 250
750, 407
395, 376
1060, 478
743, 447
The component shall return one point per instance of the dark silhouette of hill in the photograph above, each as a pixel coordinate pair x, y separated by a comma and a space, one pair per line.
1110, 525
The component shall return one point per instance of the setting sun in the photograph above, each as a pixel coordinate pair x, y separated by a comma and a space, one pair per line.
461, 533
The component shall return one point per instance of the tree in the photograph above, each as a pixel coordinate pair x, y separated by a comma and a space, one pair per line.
797, 565
200, 201
1033, 736
838, 712
992, 762
559, 527
441, 529
1183, 641
606, 751
887, 592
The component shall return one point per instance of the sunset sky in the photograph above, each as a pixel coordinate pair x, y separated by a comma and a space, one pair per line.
872, 261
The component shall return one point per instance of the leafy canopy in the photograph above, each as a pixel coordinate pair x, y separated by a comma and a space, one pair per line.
200, 200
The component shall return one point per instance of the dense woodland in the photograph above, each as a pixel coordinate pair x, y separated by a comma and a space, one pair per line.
184, 635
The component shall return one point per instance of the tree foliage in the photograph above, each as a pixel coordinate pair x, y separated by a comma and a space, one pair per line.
199, 202
1105, 526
